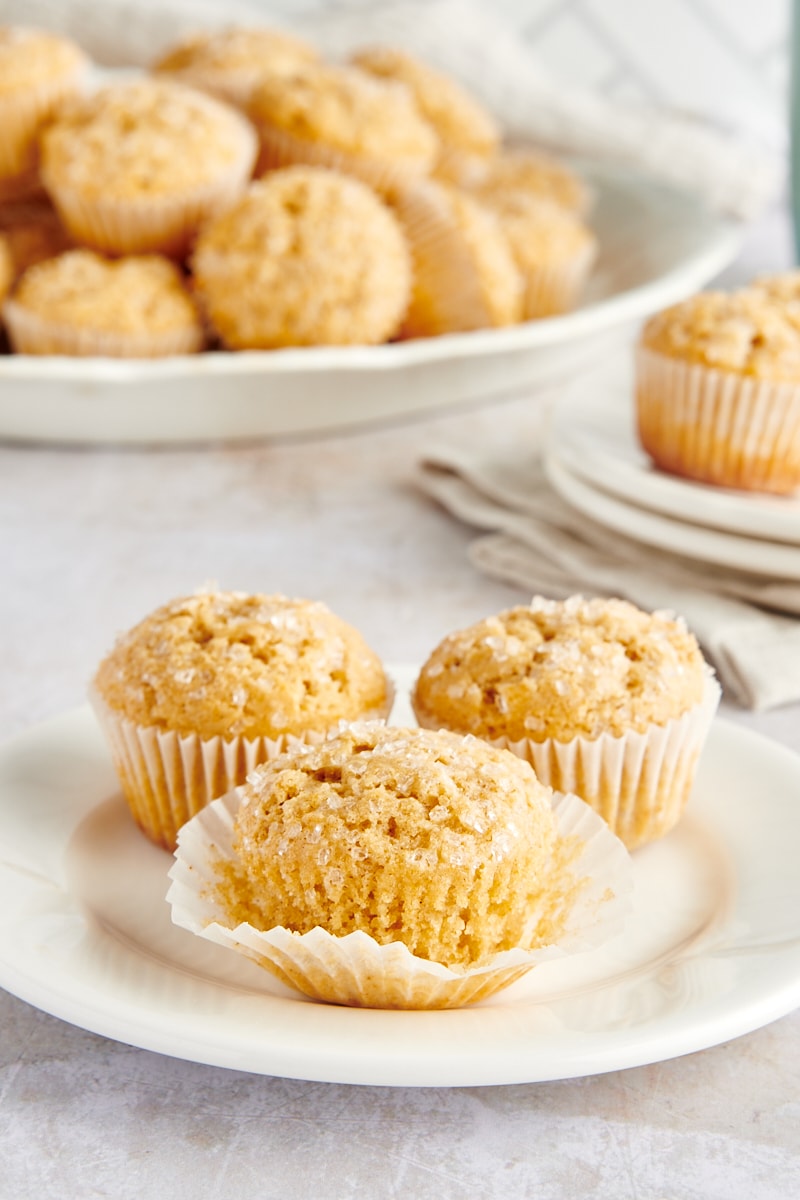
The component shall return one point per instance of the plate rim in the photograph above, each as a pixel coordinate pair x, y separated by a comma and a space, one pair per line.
701, 1031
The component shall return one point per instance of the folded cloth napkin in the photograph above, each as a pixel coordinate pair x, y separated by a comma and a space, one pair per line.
747, 625
470, 41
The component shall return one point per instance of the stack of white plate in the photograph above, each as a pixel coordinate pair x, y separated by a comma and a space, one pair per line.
594, 461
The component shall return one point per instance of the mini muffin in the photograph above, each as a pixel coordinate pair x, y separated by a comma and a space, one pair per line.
139, 166
552, 248
82, 304
396, 868
525, 172
38, 72
718, 390
342, 118
306, 257
601, 698
468, 135
231, 62
33, 233
465, 276
206, 687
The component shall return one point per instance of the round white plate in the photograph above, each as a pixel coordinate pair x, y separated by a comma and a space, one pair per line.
656, 246
593, 434
712, 949
715, 547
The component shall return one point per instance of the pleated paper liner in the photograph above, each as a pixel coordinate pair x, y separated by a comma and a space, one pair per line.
554, 288
282, 149
31, 333
718, 427
639, 783
167, 777
592, 903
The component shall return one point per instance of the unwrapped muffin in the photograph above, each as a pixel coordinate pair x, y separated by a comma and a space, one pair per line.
39, 71
718, 390
230, 63
307, 257
82, 304
137, 167
343, 118
206, 687
601, 698
396, 868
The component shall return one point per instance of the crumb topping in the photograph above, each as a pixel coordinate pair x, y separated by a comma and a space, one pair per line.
152, 137
351, 111
441, 842
130, 295
31, 56
558, 669
531, 173
539, 231
235, 49
230, 663
750, 331
305, 257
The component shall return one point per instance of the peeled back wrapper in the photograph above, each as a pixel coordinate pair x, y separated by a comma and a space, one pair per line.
594, 894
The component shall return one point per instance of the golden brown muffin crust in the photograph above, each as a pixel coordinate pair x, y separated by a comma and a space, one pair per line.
235, 49
560, 669
524, 172
441, 842
231, 663
539, 231
31, 56
6, 267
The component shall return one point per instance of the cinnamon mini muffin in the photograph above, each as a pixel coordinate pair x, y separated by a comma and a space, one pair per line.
343, 118
39, 71
231, 62
465, 276
206, 687
601, 698
468, 135
306, 257
137, 167
394, 868
552, 248
718, 390
525, 172
82, 304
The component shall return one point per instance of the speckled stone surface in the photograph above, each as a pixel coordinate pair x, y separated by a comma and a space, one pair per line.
89, 542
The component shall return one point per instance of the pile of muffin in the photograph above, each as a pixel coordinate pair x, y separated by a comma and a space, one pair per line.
384, 204
402, 867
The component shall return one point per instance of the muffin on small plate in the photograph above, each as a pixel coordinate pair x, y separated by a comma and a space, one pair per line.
80, 303
602, 699
718, 390
345, 119
306, 257
399, 868
137, 167
525, 172
208, 686
468, 134
39, 71
231, 62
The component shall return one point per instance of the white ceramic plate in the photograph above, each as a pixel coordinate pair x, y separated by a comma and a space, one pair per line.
775, 560
592, 433
657, 245
712, 950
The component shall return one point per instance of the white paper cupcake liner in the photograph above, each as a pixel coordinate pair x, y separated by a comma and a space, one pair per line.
639, 783
357, 970
554, 288
31, 333
281, 149
167, 777
716, 426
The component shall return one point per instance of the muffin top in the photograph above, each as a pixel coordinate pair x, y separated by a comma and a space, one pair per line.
748, 331
230, 664
232, 61
531, 173
143, 294
441, 842
560, 669
305, 257
349, 111
32, 56
145, 139
460, 122
539, 231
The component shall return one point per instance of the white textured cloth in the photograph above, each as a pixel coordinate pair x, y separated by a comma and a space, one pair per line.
541, 543
468, 40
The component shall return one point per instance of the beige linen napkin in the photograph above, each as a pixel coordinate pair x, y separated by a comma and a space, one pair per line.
539, 542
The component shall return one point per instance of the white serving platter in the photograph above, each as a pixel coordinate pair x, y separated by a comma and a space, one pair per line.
656, 246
